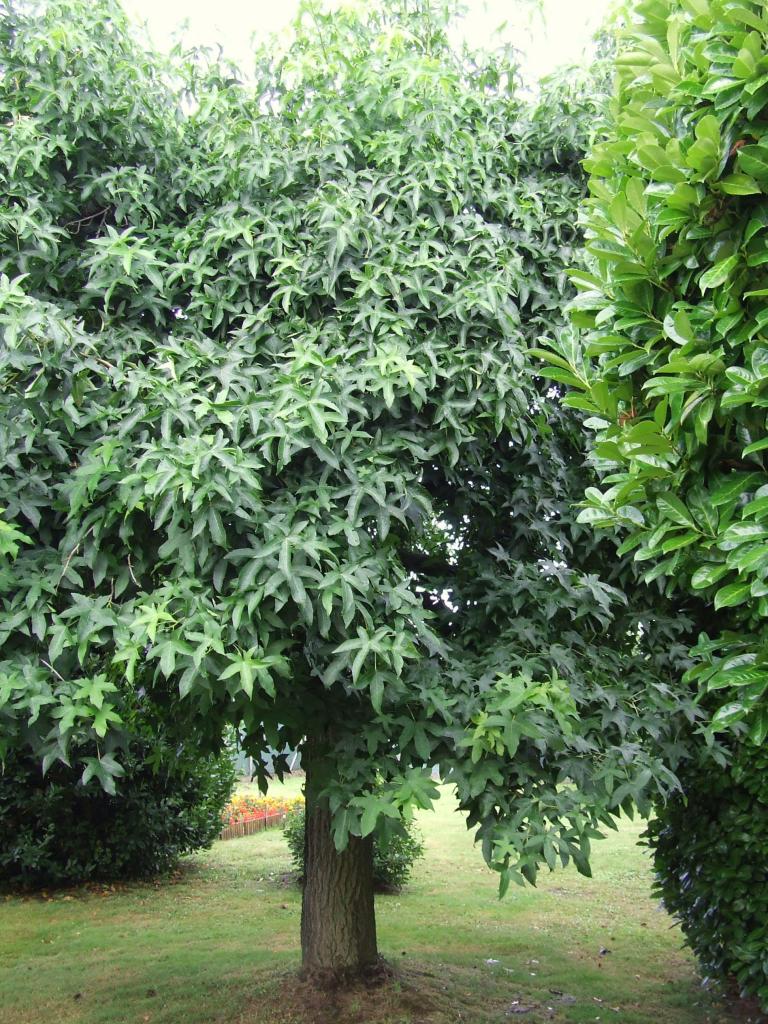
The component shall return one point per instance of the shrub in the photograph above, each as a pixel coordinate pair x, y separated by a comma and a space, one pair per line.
711, 858
394, 852
57, 831
671, 362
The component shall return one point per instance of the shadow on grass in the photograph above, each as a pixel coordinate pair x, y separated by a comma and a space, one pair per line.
439, 993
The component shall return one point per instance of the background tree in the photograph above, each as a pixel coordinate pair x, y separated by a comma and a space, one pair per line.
271, 447
671, 363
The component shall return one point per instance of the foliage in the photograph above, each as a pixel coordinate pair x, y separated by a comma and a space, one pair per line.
57, 831
670, 357
667, 359
394, 850
267, 426
710, 854
242, 807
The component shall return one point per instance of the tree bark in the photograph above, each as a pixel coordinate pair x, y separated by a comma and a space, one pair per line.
338, 925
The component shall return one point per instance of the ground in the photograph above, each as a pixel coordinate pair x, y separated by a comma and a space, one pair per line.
219, 943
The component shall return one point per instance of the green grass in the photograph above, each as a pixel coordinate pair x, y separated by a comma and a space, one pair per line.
218, 943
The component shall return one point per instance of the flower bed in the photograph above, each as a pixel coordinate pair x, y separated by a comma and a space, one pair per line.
244, 815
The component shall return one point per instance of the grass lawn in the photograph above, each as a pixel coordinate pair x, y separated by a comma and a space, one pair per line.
218, 943
291, 787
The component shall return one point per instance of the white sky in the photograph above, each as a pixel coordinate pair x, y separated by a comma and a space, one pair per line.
560, 37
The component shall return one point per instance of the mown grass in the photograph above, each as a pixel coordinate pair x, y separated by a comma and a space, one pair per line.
292, 786
219, 943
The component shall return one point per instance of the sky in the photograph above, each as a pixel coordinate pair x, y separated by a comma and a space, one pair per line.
559, 37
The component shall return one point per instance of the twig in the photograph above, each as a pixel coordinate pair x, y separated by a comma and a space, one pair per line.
37, 378
61, 677
313, 12
130, 570
84, 220
70, 556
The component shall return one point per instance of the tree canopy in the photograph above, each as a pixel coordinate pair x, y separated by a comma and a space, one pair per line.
273, 452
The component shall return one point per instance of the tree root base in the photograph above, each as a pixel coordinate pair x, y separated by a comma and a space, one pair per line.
328, 979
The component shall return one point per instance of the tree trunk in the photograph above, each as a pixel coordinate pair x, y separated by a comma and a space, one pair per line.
338, 926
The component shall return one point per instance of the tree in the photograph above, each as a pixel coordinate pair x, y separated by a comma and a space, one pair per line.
271, 445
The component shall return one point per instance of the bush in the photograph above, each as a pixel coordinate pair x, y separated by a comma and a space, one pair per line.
393, 853
711, 858
671, 362
57, 831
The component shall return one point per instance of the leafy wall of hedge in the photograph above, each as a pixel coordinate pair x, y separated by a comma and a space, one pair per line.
711, 856
668, 356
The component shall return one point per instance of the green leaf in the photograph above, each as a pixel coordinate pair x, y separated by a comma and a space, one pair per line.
728, 715
733, 594
753, 160
708, 575
739, 185
758, 730
680, 541
735, 485
756, 446
719, 273
670, 506
678, 328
